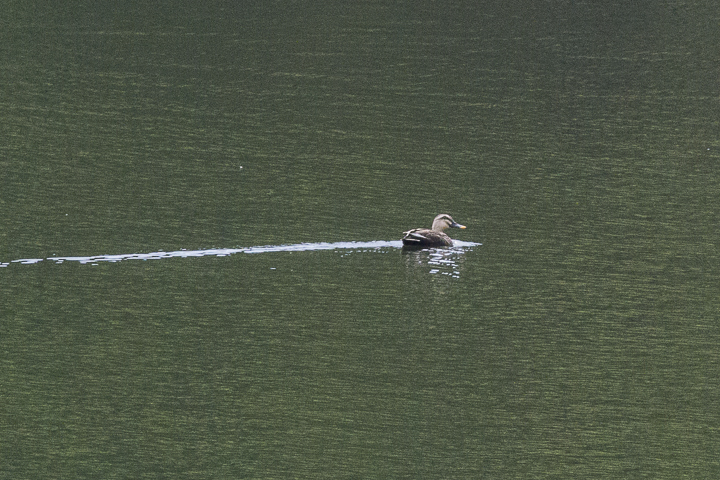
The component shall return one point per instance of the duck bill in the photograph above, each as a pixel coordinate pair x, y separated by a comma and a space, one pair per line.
457, 225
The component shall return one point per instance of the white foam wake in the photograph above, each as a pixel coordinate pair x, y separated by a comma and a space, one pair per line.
223, 252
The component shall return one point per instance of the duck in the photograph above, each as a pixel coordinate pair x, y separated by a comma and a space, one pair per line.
431, 237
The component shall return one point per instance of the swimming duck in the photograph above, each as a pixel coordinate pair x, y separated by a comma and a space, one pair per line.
431, 237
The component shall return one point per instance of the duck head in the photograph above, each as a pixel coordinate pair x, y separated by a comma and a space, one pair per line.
444, 221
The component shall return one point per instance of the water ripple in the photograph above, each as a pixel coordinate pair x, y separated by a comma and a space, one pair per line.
223, 252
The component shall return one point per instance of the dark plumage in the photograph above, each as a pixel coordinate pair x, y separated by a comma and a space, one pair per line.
431, 237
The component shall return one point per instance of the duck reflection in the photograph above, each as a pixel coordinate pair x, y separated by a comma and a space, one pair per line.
441, 261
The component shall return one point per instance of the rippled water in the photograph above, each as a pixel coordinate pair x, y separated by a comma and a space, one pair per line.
571, 331
436, 254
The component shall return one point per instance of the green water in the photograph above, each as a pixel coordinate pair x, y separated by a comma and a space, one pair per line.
578, 143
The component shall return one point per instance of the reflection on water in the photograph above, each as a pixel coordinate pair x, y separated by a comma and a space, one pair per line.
440, 257
444, 261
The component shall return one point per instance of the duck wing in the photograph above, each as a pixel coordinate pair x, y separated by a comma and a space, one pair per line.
426, 237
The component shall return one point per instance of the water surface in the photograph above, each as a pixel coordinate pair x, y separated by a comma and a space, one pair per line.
577, 142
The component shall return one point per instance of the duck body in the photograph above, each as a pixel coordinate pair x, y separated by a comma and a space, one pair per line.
425, 237
431, 237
